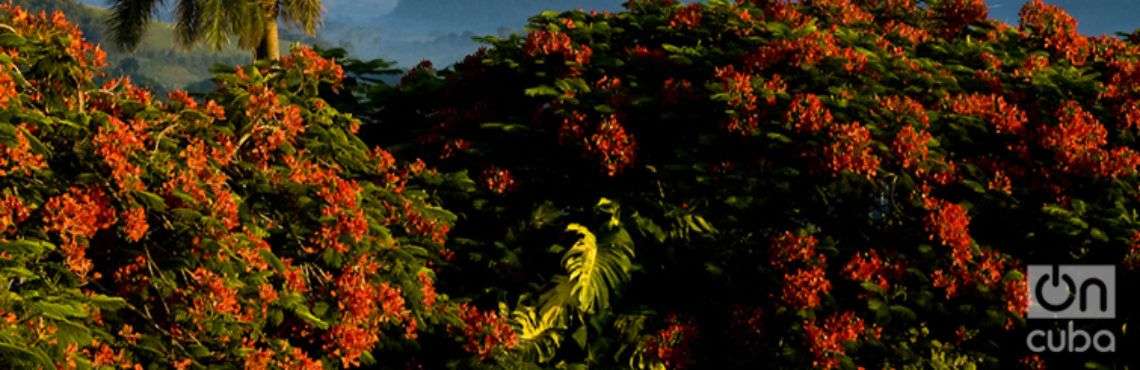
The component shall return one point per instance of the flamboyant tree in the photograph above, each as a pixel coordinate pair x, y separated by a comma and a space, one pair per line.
750, 184
251, 229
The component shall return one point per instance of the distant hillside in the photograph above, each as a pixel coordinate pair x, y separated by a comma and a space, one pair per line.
156, 63
486, 16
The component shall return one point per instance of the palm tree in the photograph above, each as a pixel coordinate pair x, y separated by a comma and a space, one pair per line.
254, 23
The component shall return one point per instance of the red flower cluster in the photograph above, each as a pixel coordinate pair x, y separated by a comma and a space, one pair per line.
1031, 65
313, 64
364, 306
573, 128
543, 43
385, 162
183, 99
135, 226
1000, 183
843, 12
356, 295
789, 248
115, 143
86, 56
904, 110
198, 176
742, 97
486, 331
803, 288
990, 267
912, 148
808, 115
76, 216
851, 150
418, 224
129, 277
1124, 80
1130, 115
351, 342
688, 16
1078, 140
213, 296
803, 52
671, 345
1056, 29
786, 12
911, 34
867, 266
941, 279
341, 199
19, 158
427, 288
7, 88
613, 144
1005, 118
957, 14
949, 223
12, 212
1032, 362
827, 341
274, 125
453, 147
1016, 293
498, 180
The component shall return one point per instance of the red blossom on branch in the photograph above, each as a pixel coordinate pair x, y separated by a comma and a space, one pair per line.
671, 346
949, 223
75, 217
802, 288
851, 150
1005, 118
827, 341
486, 331
688, 16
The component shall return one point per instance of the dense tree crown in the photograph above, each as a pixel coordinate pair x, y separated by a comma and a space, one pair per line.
821, 184
251, 229
824, 184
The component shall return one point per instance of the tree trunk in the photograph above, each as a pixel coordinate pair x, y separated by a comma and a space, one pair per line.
270, 46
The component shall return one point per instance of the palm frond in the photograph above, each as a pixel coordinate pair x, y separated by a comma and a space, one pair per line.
305, 14
212, 24
188, 22
129, 20
245, 19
